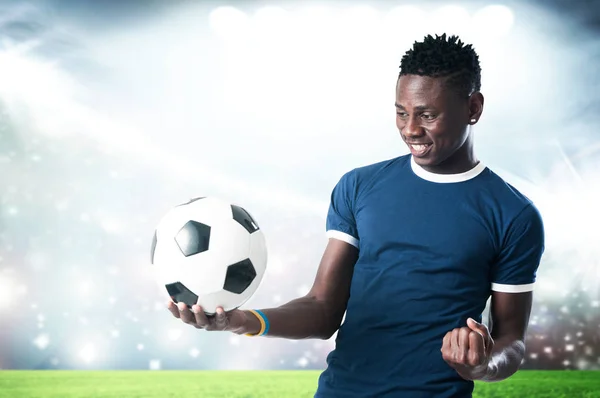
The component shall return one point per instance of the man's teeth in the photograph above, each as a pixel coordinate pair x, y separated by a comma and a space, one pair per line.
419, 147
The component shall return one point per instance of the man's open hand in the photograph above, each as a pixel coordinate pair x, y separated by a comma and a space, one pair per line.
468, 349
233, 321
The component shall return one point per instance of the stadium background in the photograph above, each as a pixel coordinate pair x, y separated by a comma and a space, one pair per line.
111, 112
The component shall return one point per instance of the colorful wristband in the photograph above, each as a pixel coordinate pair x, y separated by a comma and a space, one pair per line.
264, 323
266, 320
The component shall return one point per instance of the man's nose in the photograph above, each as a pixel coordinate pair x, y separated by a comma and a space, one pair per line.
412, 128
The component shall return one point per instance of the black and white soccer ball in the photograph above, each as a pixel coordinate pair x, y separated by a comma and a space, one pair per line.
209, 252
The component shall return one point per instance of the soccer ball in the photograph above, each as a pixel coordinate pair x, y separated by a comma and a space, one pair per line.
209, 252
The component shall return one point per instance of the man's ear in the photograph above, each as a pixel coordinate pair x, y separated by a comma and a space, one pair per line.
475, 107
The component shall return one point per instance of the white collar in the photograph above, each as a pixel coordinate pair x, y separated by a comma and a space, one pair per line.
446, 178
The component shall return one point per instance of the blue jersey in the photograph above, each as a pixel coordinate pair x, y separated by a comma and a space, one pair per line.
432, 247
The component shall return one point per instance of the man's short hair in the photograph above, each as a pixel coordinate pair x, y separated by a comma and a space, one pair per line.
444, 57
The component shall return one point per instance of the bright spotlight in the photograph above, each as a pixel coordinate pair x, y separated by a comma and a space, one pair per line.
88, 353
360, 15
405, 22
358, 22
6, 294
493, 21
453, 20
271, 20
319, 18
228, 22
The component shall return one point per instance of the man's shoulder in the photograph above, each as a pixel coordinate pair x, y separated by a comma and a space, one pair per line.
505, 191
367, 172
511, 203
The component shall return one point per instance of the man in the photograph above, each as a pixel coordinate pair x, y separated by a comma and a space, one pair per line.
417, 245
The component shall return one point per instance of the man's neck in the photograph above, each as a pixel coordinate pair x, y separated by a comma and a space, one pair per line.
461, 161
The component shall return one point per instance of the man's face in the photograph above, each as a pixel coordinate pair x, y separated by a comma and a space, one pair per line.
433, 121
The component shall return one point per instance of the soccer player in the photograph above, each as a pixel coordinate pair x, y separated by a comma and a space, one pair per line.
417, 245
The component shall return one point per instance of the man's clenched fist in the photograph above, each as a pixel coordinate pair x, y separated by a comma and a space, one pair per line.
468, 349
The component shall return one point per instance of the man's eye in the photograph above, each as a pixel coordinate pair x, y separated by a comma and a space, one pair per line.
427, 116
401, 114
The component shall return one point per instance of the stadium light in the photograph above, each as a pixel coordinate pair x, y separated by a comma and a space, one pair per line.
268, 21
88, 353
451, 20
228, 22
493, 21
405, 18
359, 19
6, 292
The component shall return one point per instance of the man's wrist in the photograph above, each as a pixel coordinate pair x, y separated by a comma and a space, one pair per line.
504, 363
251, 324
485, 372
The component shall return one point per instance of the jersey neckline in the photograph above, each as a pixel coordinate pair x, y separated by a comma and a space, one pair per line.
446, 178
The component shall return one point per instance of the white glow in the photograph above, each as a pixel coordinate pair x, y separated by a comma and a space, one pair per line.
154, 364
41, 82
88, 353
110, 224
174, 334
6, 293
493, 21
453, 20
363, 20
60, 114
571, 218
275, 264
545, 287
303, 290
21, 290
42, 341
229, 22
314, 13
271, 23
302, 362
37, 260
580, 250
84, 288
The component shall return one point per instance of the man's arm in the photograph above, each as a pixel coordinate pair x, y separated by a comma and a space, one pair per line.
509, 317
319, 313
316, 315
477, 352
494, 354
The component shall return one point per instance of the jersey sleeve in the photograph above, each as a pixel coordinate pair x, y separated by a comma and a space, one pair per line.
340, 222
516, 266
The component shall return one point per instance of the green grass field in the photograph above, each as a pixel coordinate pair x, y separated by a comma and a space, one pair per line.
275, 384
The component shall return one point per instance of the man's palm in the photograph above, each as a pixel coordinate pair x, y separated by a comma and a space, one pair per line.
232, 321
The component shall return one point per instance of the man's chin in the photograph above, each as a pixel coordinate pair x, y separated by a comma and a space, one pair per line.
425, 161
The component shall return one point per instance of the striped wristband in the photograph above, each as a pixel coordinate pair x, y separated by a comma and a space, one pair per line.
264, 323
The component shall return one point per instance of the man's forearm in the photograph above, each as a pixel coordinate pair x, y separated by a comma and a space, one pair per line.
505, 361
302, 318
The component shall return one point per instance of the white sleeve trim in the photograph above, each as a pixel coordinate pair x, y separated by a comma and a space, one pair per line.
498, 287
339, 235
